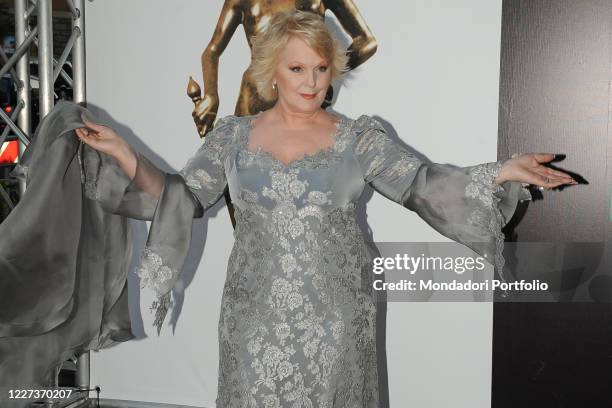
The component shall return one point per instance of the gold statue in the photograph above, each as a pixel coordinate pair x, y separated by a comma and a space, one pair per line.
254, 15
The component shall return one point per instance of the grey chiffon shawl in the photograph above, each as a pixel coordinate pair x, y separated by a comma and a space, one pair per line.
63, 259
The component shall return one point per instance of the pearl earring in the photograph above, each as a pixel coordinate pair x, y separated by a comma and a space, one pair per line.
274, 85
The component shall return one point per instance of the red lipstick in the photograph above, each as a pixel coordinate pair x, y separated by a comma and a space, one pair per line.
308, 96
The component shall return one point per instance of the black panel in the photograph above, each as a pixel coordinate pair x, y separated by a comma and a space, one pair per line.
555, 97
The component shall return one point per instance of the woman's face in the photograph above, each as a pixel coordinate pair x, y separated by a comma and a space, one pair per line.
302, 77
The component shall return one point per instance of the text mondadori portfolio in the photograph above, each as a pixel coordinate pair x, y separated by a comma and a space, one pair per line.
454, 285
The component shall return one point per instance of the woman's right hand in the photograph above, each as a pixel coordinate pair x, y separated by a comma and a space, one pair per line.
106, 140
103, 139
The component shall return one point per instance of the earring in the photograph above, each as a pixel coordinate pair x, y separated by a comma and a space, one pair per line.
274, 85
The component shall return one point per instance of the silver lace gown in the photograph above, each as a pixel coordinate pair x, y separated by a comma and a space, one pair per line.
298, 314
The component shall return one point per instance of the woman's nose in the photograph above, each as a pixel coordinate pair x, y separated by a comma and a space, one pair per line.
311, 79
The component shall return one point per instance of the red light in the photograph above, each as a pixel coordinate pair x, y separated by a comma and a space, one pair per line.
9, 152
8, 109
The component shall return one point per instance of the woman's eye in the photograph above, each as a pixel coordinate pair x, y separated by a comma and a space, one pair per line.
296, 69
323, 69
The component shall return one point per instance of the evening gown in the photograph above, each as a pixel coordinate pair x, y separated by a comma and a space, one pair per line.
297, 326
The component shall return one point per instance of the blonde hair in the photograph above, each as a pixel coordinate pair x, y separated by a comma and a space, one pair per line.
267, 45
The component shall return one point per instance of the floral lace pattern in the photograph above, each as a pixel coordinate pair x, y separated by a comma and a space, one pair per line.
322, 158
295, 316
152, 271
482, 185
199, 179
297, 326
385, 165
488, 217
298, 315
204, 170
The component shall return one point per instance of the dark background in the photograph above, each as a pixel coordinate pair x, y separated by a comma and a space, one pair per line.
555, 97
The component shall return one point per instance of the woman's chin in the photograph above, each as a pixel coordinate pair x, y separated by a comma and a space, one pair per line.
310, 104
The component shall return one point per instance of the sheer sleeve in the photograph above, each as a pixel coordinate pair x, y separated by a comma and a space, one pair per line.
141, 195
462, 203
170, 201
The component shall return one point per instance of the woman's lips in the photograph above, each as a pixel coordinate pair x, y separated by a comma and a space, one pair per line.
308, 96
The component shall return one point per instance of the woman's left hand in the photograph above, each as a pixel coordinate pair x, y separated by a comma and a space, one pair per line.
529, 168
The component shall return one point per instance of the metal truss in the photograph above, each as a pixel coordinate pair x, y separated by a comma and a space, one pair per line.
19, 122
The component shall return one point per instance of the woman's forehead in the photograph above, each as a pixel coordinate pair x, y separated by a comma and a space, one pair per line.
297, 49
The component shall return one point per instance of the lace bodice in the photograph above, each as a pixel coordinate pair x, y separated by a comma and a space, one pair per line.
322, 158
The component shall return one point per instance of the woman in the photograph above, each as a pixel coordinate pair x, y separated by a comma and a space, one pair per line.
254, 15
297, 324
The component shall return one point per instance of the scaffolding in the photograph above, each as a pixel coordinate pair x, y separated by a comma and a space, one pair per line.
19, 121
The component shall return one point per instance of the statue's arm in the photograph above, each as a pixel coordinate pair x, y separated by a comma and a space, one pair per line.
229, 19
364, 44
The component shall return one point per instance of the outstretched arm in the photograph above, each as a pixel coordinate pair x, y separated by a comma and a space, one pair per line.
121, 179
469, 205
203, 176
128, 184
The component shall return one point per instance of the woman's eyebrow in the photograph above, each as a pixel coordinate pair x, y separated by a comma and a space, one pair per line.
321, 62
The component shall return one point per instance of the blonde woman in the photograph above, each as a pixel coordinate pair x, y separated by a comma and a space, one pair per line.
298, 324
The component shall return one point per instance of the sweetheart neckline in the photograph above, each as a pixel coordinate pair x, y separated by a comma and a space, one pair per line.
340, 122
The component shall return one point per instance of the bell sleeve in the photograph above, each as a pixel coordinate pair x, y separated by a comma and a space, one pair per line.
170, 201
462, 203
